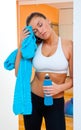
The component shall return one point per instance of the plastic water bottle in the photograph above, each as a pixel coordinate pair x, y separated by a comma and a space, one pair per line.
48, 100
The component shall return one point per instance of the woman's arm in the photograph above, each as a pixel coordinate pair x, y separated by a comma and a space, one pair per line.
24, 33
18, 57
69, 83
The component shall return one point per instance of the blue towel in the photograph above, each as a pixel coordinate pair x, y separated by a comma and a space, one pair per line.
22, 95
22, 103
29, 45
9, 63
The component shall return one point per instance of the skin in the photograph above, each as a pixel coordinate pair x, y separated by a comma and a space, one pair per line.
43, 30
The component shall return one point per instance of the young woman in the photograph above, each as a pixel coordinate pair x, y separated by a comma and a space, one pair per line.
53, 56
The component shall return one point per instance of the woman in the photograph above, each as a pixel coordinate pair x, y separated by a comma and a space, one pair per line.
53, 56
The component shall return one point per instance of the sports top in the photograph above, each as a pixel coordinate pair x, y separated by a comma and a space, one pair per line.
56, 63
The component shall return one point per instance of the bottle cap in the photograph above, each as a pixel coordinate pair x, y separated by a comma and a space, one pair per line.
47, 76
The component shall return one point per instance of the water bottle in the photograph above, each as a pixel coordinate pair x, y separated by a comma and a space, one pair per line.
48, 100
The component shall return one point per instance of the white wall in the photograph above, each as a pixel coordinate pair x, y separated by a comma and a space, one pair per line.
8, 42
77, 64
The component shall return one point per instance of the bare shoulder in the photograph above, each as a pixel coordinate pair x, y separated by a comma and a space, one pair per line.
67, 47
67, 44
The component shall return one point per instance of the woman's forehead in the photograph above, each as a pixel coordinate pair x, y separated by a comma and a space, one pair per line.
36, 20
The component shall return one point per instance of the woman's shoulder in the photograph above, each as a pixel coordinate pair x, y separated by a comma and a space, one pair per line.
67, 47
67, 43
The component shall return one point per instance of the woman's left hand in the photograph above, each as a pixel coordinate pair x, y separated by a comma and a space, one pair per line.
51, 90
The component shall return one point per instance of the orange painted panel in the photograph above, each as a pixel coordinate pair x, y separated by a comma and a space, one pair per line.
51, 13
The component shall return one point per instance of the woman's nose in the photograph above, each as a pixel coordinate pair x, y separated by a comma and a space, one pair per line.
40, 30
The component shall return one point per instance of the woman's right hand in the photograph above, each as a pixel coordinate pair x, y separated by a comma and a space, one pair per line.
23, 34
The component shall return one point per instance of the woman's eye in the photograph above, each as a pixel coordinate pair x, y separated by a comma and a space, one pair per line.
40, 24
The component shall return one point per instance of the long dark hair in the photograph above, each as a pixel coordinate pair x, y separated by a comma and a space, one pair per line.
29, 18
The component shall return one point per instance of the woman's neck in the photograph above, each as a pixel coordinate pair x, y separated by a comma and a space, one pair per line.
53, 39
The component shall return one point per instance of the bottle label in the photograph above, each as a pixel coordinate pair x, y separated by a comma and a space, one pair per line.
45, 84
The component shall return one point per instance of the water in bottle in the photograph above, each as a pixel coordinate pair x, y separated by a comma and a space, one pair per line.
48, 100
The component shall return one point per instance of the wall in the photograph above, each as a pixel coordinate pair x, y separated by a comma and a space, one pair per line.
25, 10
77, 64
66, 23
8, 42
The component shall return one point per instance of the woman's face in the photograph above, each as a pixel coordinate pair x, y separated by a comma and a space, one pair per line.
41, 27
